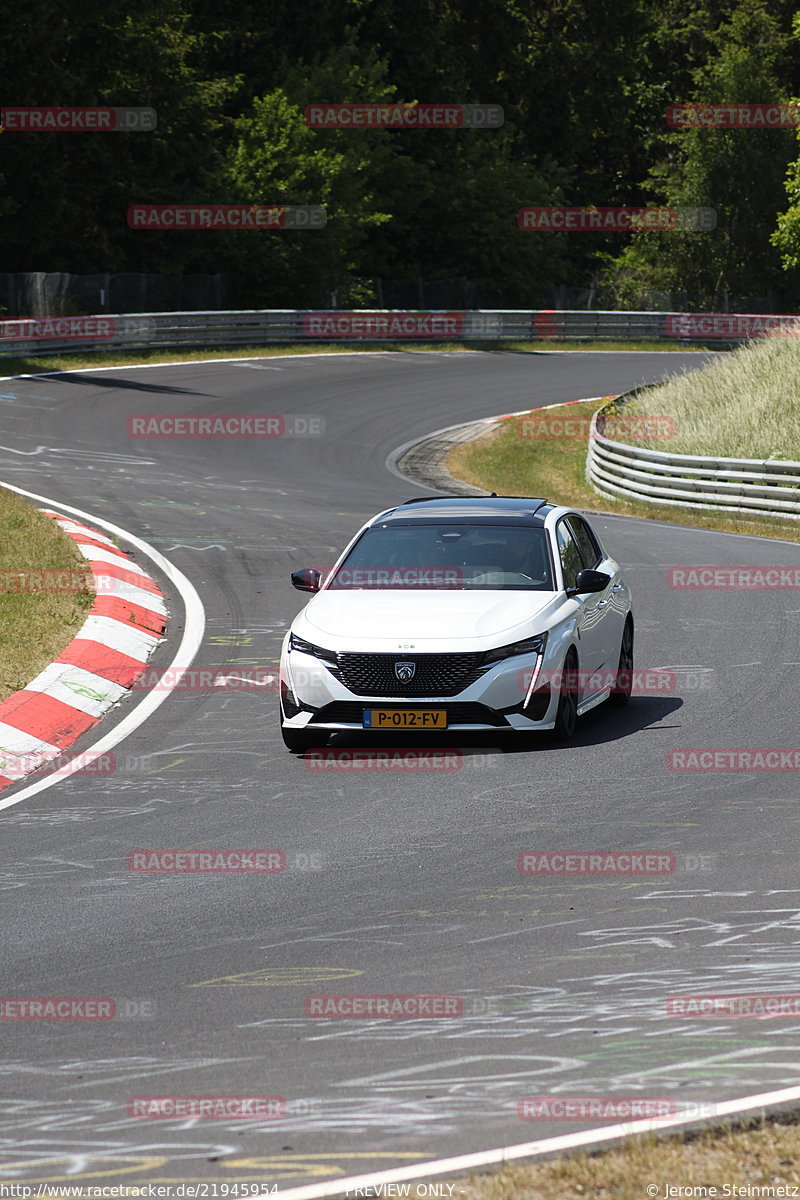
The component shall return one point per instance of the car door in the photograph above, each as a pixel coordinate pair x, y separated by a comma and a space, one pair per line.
611, 613
589, 618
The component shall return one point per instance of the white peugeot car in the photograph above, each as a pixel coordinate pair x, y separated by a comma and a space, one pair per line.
459, 613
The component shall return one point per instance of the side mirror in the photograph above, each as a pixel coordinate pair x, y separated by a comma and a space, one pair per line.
307, 579
589, 581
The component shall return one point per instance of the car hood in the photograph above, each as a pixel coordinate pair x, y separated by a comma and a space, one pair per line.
421, 616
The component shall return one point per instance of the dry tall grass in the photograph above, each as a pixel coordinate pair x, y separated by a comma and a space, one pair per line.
742, 405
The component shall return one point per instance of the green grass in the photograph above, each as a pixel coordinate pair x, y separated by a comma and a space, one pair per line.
761, 1156
35, 627
743, 405
511, 464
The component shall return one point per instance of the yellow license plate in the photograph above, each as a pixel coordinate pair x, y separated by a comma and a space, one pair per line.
405, 718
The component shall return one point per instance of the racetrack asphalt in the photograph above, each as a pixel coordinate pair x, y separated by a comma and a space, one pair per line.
396, 882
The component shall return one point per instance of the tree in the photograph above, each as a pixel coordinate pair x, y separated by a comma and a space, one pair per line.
278, 158
67, 195
738, 172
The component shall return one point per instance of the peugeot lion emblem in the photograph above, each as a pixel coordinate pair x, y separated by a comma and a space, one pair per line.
405, 671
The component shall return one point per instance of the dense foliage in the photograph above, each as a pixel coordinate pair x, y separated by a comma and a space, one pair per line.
584, 84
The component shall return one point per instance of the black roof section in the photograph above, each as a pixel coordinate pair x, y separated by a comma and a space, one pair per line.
483, 510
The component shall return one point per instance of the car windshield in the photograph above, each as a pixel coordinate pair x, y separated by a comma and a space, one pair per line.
448, 556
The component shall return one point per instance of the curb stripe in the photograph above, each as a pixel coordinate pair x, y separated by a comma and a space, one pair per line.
45, 717
133, 593
95, 670
189, 643
114, 666
71, 526
135, 616
110, 547
135, 642
77, 687
101, 554
105, 571
16, 765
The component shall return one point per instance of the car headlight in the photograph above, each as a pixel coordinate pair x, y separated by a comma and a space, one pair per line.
303, 647
534, 645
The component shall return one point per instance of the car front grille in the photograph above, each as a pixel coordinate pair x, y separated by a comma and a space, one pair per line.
434, 674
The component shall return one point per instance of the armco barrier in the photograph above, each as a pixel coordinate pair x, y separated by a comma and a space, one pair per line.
768, 486
45, 335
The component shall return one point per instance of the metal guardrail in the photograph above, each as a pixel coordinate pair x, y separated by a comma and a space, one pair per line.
748, 485
256, 327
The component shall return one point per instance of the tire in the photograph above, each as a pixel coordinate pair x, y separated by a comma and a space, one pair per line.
567, 711
299, 740
622, 694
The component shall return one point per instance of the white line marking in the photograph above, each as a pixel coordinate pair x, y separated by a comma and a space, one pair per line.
224, 680
504, 1154
184, 655
11, 450
195, 362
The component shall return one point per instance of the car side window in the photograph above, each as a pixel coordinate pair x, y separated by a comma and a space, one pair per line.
571, 561
587, 543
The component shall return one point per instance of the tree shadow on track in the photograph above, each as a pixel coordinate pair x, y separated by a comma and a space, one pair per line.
122, 384
604, 724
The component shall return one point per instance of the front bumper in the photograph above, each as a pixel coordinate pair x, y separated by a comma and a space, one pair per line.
506, 696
